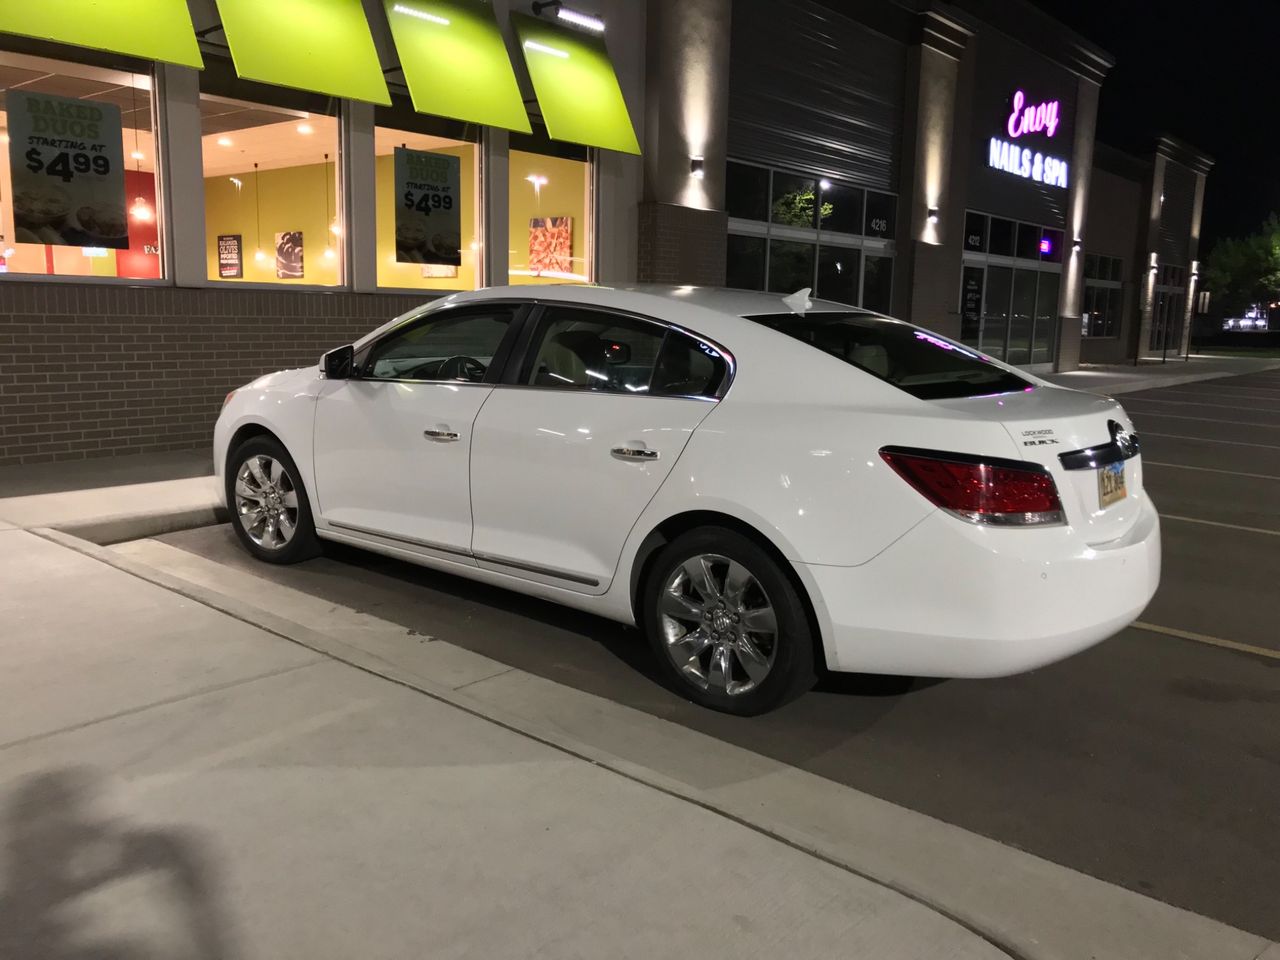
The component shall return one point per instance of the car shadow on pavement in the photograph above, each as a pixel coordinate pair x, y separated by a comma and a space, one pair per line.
72, 879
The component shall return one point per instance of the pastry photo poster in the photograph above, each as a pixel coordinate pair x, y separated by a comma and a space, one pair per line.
428, 208
67, 161
289, 255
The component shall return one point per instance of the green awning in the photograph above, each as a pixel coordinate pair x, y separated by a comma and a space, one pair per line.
576, 86
455, 61
319, 45
150, 29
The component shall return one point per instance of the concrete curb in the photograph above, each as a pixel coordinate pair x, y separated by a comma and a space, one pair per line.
1013, 901
137, 526
1139, 383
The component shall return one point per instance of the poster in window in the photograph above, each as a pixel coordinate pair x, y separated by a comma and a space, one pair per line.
67, 162
230, 256
971, 305
428, 208
551, 245
289, 255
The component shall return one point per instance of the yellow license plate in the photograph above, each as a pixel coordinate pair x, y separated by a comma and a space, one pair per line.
1111, 484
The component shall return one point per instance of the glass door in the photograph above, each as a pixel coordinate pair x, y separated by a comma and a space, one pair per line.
1021, 317
995, 312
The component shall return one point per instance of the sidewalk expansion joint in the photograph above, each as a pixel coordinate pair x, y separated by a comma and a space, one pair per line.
355, 658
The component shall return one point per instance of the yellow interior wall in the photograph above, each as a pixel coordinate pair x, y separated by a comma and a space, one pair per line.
564, 195
391, 273
293, 198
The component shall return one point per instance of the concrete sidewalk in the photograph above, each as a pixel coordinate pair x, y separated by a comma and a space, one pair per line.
1152, 374
176, 782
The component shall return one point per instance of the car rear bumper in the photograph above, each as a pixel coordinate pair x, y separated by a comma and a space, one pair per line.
951, 599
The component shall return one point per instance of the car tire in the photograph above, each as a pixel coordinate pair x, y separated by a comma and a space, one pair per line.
269, 507
714, 598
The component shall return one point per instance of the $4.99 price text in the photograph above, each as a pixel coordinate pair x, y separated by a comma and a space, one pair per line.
427, 202
65, 164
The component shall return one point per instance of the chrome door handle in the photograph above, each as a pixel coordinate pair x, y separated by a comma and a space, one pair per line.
634, 453
440, 436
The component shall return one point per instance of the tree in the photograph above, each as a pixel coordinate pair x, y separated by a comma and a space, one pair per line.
1246, 270
795, 208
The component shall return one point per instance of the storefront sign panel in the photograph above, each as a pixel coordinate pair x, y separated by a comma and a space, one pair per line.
150, 29
1027, 163
67, 162
428, 207
230, 256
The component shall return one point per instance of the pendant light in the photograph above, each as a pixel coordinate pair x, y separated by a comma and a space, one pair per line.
141, 210
334, 229
258, 254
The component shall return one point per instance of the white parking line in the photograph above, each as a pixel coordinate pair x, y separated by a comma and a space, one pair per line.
1235, 443
1205, 638
1196, 403
1219, 523
1239, 423
1231, 473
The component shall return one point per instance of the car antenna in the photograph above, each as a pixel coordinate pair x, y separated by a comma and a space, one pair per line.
799, 301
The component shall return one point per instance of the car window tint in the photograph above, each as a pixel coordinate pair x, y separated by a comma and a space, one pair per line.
914, 360
688, 367
589, 350
441, 346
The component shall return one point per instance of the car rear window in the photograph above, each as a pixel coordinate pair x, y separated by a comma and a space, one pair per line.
913, 360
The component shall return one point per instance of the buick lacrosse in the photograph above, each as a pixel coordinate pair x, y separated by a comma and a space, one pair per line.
764, 485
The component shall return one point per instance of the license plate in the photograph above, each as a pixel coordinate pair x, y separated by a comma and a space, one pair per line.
1111, 484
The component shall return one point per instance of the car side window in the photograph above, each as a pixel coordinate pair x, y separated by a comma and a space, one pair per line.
582, 349
449, 346
688, 367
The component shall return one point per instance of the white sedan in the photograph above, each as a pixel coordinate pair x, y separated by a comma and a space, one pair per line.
764, 485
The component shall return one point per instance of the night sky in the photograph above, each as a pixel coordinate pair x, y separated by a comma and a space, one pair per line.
1205, 73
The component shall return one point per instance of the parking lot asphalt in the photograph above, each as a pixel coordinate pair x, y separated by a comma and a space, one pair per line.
1152, 760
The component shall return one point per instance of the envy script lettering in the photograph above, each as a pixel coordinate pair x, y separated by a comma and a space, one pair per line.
1032, 118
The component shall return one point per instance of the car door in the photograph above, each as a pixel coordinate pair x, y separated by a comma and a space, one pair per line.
392, 444
566, 456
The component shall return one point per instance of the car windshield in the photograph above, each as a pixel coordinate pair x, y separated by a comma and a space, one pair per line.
914, 360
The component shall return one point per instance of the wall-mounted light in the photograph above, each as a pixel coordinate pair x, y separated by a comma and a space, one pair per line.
697, 167
932, 215
1076, 244
824, 184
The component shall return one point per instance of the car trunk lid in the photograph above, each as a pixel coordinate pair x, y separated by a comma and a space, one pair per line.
1100, 479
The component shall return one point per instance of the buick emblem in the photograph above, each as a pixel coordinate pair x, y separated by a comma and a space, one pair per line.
1125, 441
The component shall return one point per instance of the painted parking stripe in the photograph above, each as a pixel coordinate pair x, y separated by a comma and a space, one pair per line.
1205, 638
1198, 403
1219, 523
1250, 397
1187, 466
1234, 443
1239, 423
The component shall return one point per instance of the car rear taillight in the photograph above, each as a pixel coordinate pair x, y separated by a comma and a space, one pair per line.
980, 489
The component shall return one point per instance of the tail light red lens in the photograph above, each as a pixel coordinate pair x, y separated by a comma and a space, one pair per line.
978, 489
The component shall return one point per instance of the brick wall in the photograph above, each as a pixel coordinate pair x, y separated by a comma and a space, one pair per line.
682, 245
96, 370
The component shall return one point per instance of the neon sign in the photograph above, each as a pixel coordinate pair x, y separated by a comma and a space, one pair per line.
1032, 117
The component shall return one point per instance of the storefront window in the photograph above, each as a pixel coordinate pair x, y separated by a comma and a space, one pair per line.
1103, 296
746, 191
838, 273
81, 200
550, 224
744, 265
877, 284
270, 193
795, 200
975, 232
1028, 245
841, 208
428, 209
1046, 328
790, 265
882, 209
1001, 237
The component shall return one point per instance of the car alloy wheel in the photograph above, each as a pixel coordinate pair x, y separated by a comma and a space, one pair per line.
719, 625
266, 499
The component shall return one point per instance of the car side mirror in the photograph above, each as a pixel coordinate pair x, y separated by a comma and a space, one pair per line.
339, 364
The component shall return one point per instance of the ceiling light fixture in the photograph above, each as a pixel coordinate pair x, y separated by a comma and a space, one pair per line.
420, 14
584, 20
306, 129
224, 141
543, 48
141, 210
